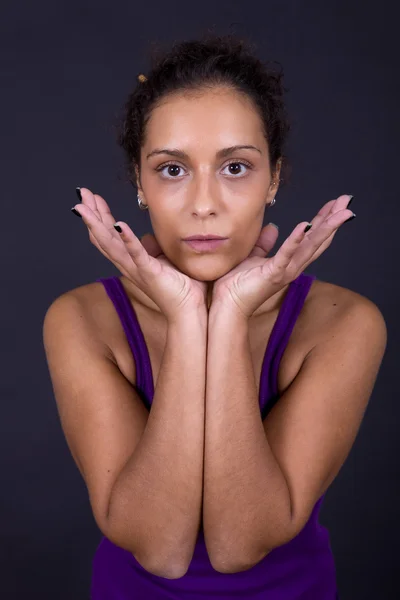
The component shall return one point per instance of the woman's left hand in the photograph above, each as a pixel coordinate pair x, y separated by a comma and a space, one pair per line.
246, 287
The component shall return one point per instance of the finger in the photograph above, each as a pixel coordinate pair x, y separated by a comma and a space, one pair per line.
90, 218
319, 250
137, 251
308, 249
266, 241
336, 206
88, 199
330, 208
110, 245
104, 212
151, 245
278, 265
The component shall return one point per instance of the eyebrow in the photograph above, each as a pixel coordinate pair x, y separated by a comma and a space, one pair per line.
220, 154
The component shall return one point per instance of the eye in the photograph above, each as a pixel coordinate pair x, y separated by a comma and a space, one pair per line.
236, 163
174, 167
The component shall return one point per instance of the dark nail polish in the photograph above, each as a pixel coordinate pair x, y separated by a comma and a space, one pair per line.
353, 216
78, 193
308, 227
118, 228
351, 200
76, 212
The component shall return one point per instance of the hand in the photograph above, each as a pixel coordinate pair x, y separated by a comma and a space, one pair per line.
246, 287
174, 292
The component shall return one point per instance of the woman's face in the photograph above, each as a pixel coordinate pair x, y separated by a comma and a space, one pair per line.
206, 191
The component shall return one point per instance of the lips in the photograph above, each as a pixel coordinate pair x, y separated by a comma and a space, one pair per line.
206, 245
204, 237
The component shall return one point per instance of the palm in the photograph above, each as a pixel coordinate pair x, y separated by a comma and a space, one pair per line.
242, 274
148, 268
247, 273
256, 279
153, 248
247, 270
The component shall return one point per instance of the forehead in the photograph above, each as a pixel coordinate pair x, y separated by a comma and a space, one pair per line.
223, 116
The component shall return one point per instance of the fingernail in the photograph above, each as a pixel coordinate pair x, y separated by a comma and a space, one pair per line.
118, 228
78, 193
351, 218
351, 200
308, 227
274, 225
76, 212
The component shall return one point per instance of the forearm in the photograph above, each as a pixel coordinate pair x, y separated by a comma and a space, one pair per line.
246, 501
157, 498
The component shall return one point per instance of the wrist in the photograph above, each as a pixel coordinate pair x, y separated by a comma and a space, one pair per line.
226, 313
189, 318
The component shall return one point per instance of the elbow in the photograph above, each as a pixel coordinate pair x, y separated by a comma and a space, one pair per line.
151, 559
161, 568
161, 564
227, 566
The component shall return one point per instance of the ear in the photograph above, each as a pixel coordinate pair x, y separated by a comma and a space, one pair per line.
137, 176
274, 185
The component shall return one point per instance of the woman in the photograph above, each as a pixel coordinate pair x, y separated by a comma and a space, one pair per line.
257, 375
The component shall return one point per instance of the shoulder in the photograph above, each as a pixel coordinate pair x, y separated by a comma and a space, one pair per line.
332, 308
88, 303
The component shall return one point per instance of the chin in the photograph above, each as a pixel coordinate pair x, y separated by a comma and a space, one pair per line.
207, 273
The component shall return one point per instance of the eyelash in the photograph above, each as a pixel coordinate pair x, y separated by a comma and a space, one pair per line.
233, 162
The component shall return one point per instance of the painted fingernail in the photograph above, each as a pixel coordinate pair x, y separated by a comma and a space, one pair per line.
118, 228
353, 216
76, 212
274, 225
351, 200
78, 193
308, 227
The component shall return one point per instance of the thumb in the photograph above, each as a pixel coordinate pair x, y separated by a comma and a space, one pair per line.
151, 245
266, 241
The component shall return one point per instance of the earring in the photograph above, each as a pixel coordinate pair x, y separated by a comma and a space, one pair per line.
141, 205
274, 199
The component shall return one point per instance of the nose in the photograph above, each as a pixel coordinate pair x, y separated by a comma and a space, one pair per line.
204, 200
203, 210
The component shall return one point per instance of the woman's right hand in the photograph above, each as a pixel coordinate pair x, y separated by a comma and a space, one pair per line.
173, 292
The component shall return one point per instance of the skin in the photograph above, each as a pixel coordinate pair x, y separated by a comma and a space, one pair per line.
202, 193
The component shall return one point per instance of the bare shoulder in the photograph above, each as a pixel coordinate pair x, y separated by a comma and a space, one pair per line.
330, 306
101, 413
100, 315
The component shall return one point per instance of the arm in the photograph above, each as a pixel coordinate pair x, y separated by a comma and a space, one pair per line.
262, 479
246, 498
157, 496
143, 470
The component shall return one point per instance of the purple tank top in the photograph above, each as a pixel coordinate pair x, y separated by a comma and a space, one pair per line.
302, 569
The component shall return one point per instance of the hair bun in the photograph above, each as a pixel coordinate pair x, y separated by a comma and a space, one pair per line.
142, 78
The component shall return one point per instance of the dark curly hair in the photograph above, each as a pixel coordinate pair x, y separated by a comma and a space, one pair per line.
214, 60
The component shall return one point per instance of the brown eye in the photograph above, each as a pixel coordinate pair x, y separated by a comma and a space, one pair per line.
235, 167
172, 170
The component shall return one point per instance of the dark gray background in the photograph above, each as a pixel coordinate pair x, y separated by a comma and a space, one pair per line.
66, 69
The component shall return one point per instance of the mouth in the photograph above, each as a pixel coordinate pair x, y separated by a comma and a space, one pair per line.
206, 245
